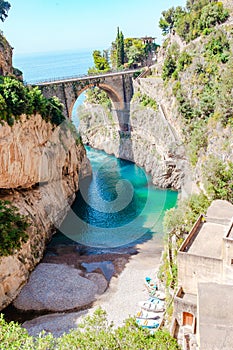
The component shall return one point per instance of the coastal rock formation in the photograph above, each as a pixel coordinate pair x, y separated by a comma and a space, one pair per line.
56, 287
33, 151
99, 280
57, 323
39, 173
152, 142
5, 57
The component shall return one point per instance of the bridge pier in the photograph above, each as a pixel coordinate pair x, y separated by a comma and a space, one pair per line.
123, 116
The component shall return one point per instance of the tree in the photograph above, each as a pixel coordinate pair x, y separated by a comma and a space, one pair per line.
120, 49
213, 14
169, 67
4, 8
100, 61
136, 52
169, 19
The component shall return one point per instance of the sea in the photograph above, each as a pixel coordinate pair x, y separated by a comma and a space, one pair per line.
50, 65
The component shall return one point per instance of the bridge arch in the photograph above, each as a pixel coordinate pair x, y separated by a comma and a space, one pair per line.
118, 86
112, 93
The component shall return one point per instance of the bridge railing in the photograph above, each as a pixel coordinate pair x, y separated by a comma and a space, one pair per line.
80, 76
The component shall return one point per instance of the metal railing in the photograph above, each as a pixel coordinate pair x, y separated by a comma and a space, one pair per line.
80, 77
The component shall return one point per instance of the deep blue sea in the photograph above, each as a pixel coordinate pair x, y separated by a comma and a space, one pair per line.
119, 205
40, 66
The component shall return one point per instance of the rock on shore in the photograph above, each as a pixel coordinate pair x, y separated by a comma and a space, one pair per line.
57, 287
57, 324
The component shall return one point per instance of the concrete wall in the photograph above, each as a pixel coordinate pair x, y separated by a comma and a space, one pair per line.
215, 322
193, 269
181, 306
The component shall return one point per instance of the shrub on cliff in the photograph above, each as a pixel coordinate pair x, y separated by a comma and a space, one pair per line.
218, 179
93, 334
12, 229
17, 99
178, 222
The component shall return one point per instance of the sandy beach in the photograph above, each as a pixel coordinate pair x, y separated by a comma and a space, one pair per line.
125, 290
120, 300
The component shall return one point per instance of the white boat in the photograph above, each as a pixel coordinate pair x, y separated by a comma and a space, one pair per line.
160, 295
147, 323
148, 315
152, 306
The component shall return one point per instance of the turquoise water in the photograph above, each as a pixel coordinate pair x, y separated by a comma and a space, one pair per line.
118, 206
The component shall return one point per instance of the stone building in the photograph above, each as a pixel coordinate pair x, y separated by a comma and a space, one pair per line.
203, 305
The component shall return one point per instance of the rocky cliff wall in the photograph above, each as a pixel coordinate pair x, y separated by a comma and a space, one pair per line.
152, 142
5, 57
40, 168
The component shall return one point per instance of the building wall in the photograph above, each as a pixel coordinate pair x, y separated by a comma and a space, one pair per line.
215, 316
180, 306
193, 269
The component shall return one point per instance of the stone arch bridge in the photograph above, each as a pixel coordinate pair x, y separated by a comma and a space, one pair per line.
118, 86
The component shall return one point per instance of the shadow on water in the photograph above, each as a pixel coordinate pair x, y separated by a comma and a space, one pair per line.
125, 150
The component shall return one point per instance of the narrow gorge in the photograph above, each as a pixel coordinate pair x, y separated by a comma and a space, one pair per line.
41, 165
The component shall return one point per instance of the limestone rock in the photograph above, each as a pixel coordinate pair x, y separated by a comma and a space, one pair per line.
99, 281
56, 287
5, 57
57, 324
153, 143
33, 151
47, 163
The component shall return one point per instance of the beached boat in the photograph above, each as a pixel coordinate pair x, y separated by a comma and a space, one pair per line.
152, 305
159, 294
148, 315
151, 285
145, 323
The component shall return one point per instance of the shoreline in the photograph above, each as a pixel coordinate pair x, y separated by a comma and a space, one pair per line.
121, 299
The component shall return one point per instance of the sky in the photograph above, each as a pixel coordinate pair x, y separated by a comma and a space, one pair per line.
57, 25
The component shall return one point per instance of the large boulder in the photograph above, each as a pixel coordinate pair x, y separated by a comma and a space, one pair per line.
54, 288
57, 324
99, 280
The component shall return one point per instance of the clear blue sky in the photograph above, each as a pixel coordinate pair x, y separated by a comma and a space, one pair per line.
54, 25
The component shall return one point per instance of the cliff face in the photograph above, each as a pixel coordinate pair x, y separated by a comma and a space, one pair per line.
152, 142
40, 168
5, 57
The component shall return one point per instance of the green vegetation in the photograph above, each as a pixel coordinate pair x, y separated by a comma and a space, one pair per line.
145, 100
199, 17
175, 62
120, 49
12, 229
16, 99
101, 63
218, 47
125, 53
218, 178
94, 333
4, 8
177, 223
98, 96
